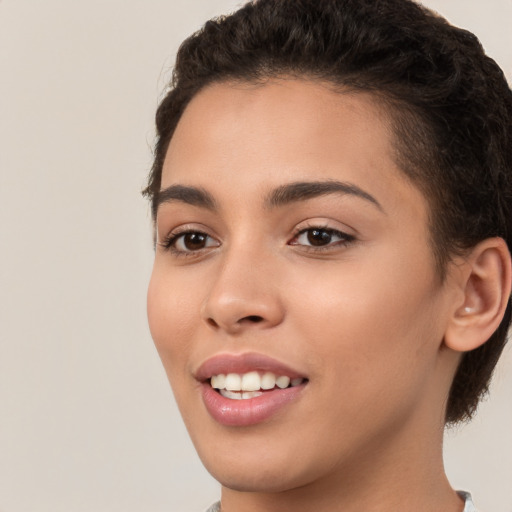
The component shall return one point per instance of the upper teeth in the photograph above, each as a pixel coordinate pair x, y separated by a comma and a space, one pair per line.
252, 381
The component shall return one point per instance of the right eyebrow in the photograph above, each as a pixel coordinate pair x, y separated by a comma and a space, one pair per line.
302, 191
194, 196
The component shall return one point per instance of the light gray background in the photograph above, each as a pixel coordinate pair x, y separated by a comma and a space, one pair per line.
87, 420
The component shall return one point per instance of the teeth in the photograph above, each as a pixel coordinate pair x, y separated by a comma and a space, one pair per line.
250, 383
283, 381
219, 381
233, 382
240, 396
268, 381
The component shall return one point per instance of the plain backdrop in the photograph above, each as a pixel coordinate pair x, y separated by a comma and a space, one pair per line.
87, 419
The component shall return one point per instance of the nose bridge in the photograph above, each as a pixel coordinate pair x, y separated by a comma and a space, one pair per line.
244, 293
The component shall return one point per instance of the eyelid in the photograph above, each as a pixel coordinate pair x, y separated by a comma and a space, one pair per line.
167, 231
169, 241
345, 238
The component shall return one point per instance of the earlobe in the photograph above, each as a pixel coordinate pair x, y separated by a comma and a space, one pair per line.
486, 281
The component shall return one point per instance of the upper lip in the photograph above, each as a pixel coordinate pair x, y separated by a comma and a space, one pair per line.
243, 363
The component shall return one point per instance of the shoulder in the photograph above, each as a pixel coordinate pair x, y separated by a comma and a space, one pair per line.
470, 507
216, 507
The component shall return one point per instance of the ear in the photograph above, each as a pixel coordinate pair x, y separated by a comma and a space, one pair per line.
485, 279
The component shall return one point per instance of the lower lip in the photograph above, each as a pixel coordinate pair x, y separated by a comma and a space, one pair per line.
243, 413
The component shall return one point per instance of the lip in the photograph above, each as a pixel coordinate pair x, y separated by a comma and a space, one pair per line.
244, 413
243, 363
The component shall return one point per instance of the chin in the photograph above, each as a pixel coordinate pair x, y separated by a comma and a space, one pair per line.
261, 470
261, 481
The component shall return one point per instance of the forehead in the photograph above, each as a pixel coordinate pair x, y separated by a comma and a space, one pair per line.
257, 137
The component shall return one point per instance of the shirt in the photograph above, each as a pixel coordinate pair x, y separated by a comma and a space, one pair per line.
469, 506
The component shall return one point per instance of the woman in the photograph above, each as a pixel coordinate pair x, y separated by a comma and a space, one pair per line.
332, 193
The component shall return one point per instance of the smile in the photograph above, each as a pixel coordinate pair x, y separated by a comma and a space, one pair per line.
246, 389
251, 384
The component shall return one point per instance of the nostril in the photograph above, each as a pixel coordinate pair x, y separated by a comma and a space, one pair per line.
232, 323
212, 322
253, 318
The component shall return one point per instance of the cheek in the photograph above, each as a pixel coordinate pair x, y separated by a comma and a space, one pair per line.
379, 327
172, 316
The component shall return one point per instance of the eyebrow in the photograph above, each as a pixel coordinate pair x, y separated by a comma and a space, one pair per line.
281, 196
194, 196
304, 190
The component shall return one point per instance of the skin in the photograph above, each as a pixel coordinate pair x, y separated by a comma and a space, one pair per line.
364, 320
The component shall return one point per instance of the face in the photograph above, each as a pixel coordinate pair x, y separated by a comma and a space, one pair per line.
293, 261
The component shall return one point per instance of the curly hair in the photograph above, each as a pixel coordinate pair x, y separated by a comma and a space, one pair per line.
449, 104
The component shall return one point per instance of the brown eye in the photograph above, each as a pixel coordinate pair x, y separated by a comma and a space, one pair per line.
319, 236
194, 241
190, 241
322, 237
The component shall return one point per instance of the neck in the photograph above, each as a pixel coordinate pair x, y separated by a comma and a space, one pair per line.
408, 476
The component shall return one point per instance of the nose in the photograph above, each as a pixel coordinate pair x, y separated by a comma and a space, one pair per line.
244, 295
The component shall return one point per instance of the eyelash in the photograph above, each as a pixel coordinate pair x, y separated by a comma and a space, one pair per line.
346, 239
170, 241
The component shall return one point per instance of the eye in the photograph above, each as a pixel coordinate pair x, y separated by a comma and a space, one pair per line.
321, 237
189, 242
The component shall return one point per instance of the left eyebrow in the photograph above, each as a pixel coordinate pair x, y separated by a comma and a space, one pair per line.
304, 190
190, 195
